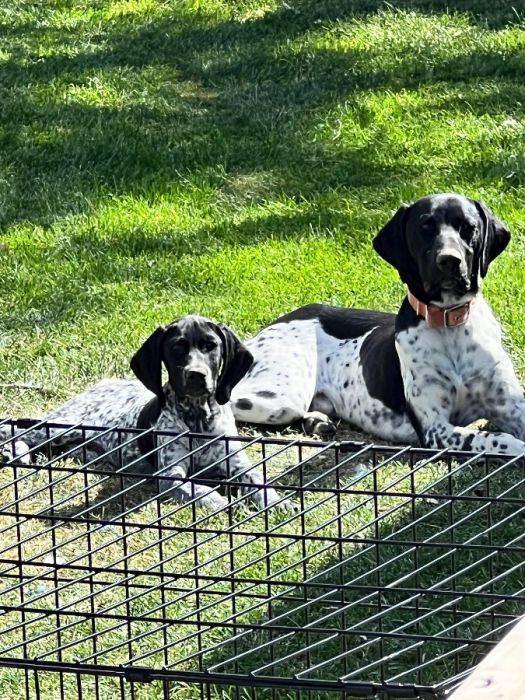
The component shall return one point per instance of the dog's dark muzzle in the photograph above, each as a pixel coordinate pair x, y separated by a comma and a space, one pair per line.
450, 267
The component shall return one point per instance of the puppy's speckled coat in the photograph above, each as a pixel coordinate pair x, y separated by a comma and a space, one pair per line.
204, 361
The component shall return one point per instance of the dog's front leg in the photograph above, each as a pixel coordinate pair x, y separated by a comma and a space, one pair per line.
509, 414
442, 434
436, 431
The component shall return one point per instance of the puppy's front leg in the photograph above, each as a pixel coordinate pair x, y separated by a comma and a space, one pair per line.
173, 482
238, 466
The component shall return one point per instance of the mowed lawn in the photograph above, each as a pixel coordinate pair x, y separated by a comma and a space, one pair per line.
235, 159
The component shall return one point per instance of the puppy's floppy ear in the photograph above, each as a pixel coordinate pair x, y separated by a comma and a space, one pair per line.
391, 244
146, 363
495, 237
236, 361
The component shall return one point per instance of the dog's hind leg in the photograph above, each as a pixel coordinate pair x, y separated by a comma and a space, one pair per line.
268, 406
283, 405
280, 387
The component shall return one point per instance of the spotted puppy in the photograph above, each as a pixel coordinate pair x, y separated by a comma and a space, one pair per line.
419, 376
203, 361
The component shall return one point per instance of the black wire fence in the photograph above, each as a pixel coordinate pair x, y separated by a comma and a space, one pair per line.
397, 571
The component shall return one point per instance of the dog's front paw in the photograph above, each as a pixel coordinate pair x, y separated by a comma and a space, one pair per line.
211, 500
15, 451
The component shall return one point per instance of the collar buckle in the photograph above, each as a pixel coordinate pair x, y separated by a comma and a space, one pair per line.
437, 317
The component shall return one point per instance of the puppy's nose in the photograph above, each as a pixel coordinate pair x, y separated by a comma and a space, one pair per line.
196, 376
196, 379
449, 261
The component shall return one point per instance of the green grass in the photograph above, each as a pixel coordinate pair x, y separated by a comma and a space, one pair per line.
336, 551
234, 159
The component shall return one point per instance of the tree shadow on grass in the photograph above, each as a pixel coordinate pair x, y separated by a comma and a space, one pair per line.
237, 96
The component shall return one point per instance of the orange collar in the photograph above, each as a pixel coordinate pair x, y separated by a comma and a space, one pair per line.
436, 317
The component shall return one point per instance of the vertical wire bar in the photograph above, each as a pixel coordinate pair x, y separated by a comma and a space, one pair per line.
79, 687
267, 538
163, 580
413, 489
340, 551
36, 676
125, 553
20, 567
305, 560
90, 579
122, 688
490, 543
268, 564
304, 551
377, 510
196, 564
231, 558
55, 575
453, 558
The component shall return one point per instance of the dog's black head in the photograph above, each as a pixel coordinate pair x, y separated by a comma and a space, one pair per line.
441, 245
203, 359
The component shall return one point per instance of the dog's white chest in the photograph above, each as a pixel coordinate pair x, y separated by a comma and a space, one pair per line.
452, 369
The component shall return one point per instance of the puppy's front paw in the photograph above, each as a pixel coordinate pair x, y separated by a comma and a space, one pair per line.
212, 500
186, 492
15, 451
267, 497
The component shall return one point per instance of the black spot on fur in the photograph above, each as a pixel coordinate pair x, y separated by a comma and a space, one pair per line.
381, 370
341, 323
467, 443
244, 404
264, 394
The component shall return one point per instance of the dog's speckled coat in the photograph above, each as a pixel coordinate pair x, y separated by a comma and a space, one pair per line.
393, 375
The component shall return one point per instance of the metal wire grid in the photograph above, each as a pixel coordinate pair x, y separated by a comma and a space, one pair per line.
398, 570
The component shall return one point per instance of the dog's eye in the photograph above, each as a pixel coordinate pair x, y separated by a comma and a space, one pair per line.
207, 345
467, 230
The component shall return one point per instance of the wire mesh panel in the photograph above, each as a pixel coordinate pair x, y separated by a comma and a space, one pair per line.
397, 570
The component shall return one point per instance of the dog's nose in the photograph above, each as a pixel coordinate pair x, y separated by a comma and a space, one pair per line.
449, 261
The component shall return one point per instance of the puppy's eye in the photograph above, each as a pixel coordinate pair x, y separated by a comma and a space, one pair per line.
207, 346
180, 346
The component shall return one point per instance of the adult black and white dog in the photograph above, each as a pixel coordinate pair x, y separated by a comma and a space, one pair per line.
204, 361
422, 375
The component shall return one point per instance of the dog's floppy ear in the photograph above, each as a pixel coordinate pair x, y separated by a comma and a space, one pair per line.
391, 244
495, 237
146, 363
236, 361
